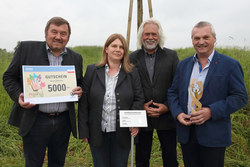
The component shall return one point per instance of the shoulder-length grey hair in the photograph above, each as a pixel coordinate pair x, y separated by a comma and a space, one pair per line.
141, 29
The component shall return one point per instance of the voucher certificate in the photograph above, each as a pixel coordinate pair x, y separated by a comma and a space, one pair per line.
133, 118
49, 84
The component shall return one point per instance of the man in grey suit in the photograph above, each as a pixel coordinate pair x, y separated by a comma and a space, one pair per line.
45, 125
156, 66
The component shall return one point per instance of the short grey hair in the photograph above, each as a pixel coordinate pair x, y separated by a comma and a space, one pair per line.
141, 29
204, 24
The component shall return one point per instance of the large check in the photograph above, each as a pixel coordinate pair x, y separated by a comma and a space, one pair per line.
49, 84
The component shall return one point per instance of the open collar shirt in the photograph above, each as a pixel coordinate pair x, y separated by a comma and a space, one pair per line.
199, 74
150, 63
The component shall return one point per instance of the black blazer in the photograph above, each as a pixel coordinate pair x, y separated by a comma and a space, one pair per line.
166, 61
129, 95
34, 53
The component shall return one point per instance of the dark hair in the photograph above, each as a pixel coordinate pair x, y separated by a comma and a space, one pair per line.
57, 21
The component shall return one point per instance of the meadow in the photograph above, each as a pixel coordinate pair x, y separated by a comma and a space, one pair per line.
11, 154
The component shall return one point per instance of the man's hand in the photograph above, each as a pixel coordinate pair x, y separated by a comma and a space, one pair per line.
23, 104
77, 91
201, 116
161, 108
184, 119
157, 111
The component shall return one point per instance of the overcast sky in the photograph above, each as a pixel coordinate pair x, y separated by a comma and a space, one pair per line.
92, 21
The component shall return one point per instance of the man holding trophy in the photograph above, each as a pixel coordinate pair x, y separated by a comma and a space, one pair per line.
207, 88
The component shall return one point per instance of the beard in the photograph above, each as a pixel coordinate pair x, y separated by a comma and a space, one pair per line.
150, 46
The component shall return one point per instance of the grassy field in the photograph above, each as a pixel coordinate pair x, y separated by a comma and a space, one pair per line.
11, 154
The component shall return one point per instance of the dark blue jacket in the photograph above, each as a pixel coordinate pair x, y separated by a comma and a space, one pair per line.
224, 93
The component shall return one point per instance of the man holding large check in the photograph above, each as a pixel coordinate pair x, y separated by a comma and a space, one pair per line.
44, 79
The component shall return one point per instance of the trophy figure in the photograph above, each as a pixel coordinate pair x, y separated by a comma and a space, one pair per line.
196, 91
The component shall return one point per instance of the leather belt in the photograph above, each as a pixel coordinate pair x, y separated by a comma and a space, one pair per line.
54, 114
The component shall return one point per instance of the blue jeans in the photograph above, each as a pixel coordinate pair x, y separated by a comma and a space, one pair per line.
109, 153
47, 132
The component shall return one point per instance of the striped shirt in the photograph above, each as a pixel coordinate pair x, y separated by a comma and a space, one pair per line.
109, 102
54, 107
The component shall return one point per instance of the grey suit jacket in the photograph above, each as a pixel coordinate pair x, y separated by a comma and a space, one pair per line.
166, 61
34, 53
129, 95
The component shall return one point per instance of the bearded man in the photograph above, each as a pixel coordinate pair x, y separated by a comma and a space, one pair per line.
156, 66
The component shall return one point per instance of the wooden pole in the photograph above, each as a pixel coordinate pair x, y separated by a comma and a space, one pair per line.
132, 152
139, 16
139, 13
150, 8
129, 22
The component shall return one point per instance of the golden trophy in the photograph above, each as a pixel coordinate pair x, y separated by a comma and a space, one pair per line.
196, 91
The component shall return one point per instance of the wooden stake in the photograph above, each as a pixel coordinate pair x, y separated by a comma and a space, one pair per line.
139, 16
129, 22
139, 13
150, 8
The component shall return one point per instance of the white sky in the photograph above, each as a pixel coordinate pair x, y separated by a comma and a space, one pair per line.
93, 21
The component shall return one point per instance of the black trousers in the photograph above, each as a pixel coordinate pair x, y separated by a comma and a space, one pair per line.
196, 155
168, 143
109, 153
47, 132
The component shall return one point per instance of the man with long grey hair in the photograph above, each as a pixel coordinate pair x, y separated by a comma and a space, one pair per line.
156, 66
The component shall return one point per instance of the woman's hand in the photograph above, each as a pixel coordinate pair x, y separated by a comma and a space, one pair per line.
134, 131
85, 140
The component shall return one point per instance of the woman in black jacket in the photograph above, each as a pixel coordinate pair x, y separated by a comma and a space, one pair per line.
109, 86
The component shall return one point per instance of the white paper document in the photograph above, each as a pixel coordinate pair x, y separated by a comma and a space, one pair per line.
133, 118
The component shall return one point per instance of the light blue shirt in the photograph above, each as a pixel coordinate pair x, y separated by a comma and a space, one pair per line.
109, 102
199, 74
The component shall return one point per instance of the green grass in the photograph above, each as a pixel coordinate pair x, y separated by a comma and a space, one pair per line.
11, 153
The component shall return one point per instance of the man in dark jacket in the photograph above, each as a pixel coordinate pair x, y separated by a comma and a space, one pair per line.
45, 125
156, 66
208, 86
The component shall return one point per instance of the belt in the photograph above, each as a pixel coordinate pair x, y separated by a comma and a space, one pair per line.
54, 114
